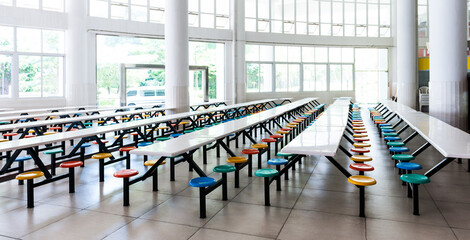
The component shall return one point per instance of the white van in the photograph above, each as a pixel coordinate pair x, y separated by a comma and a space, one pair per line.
147, 94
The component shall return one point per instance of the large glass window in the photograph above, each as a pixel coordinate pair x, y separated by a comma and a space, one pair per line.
40, 62
201, 13
371, 74
319, 17
299, 68
48, 5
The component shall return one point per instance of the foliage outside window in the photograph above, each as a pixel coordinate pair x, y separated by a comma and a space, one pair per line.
39, 55
201, 13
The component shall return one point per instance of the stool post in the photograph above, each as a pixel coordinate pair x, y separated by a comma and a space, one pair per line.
266, 192
53, 160
204, 154
250, 165
237, 175
71, 180
276, 147
217, 149
361, 201
278, 180
125, 191
128, 160
30, 193
21, 170
172, 169
415, 199
82, 156
259, 158
202, 202
101, 169
155, 181
224, 187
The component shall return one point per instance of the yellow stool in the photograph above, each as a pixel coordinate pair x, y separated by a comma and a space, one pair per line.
361, 182
359, 135
29, 177
361, 158
101, 157
260, 147
361, 145
359, 128
150, 163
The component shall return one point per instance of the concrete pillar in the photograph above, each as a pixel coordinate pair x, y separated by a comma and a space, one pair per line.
78, 87
238, 65
176, 56
448, 61
407, 68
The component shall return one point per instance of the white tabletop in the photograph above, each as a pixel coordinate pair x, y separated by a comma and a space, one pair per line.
177, 146
324, 136
448, 140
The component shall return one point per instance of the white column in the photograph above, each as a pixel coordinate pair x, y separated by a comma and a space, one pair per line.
77, 84
238, 65
448, 61
176, 55
406, 52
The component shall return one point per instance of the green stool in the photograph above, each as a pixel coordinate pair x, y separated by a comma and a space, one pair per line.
224, 169
414, 180
268, 174
161, 139
395, 144
53, 152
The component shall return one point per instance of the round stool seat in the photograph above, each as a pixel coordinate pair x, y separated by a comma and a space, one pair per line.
357, 121
390, 134
360, 131
236, 160
293, 123
206, 126
125, 173
414, 178
259, 146
361, 139
268, 140
84, 145
135, 133
266, 172
409, 166
49, 133
362, 167
23, 158
163, 127
189, 131
143, 144
392, 138
103, 141
10, 134
152, 162
249, 151
359, 128
55, 128
360, 150
358, 125
4, 140
403, 157
127, 149
29, 136
29, 175
277, 161
175, 135
161, 139
102, 155
224, 169
395, 144
361, 158
71, 164
286, 129
31, 131
399, 149
276, 136
385, 125
53, 151
123, 137
388, 131
360, 135
360, 180
279, 154
202, 182
291, 126
361, 145
282, 132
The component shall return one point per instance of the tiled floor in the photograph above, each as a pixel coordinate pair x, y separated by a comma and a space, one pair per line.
316, 203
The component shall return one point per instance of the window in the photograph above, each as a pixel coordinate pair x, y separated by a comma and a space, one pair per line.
48, 5
201, 13
40, 63
299, 68
371, 74
319, 17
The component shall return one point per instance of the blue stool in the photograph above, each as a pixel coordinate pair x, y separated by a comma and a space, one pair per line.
21, 161
143, 144
392, 138
175, 135
202, 183
394, 150
278, 162
82, 152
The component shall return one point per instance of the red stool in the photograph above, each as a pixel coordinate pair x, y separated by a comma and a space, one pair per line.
361, 151
269, 141
71, 165
250, 152
278, 138
128, 156
125, 175
361, 167
10, 135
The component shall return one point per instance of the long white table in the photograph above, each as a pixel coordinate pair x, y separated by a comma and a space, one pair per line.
450, 141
